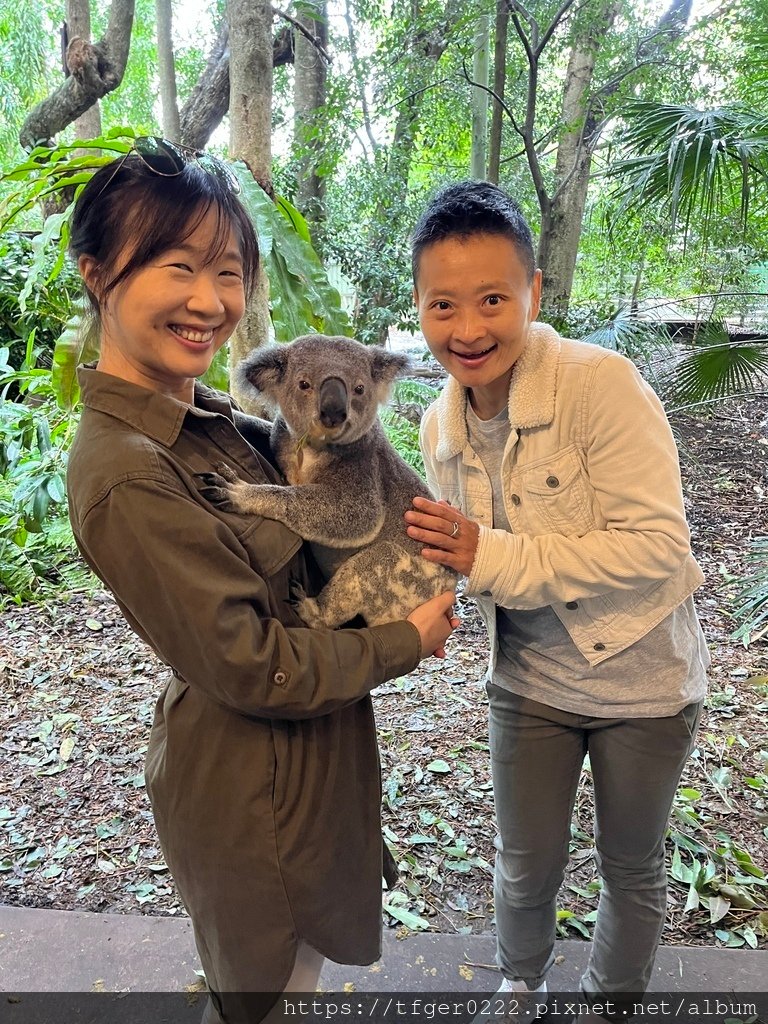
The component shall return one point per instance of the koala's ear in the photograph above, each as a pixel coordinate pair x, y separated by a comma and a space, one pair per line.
386, 366
263, 369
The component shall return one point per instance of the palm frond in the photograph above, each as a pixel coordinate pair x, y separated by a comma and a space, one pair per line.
717, 369
630, 335
752, 593
694, 163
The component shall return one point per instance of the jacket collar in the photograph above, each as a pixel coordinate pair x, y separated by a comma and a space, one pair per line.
156, 415
531, 393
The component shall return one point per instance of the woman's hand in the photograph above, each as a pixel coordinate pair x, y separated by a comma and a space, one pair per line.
435, 622
450, 536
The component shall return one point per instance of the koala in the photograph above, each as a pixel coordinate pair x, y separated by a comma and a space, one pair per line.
347, 486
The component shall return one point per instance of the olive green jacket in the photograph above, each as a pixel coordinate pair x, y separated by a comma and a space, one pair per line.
262, 766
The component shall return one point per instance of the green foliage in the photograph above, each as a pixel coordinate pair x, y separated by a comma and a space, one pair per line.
301, 298
37, 552
694, 163
752, 596
29, 302
25, 36
620, 329
402, 416
717, 368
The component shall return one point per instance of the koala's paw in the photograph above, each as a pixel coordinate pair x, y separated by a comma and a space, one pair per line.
221, 488
307, 608
298, 594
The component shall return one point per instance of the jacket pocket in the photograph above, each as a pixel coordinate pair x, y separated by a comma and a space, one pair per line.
270, 545
558, 495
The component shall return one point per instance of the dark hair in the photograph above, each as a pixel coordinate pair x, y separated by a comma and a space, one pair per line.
126, 204
469, 208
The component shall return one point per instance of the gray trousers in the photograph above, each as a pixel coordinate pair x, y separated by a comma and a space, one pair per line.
536, 758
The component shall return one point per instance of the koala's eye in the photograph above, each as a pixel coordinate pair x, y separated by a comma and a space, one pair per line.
359, 389
304, 385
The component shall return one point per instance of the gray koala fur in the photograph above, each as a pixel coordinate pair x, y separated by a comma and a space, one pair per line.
347, 486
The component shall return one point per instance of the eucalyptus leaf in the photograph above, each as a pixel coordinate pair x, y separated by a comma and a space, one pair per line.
407, 917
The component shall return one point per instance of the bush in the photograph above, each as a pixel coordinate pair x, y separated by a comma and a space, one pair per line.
37, 550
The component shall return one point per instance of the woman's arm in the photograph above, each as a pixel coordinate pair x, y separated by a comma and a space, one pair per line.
184, 582
633, 468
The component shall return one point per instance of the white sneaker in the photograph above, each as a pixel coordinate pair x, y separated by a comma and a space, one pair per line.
512, 1001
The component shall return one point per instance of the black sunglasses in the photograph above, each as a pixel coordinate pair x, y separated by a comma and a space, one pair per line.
168, 159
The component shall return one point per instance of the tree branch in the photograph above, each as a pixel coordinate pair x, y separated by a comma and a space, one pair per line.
548, 32
359, 79
494, 94
305, 32
96, 69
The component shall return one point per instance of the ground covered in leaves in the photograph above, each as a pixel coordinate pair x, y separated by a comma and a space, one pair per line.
78, 691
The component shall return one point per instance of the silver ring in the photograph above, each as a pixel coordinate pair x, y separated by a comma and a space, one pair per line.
455, 530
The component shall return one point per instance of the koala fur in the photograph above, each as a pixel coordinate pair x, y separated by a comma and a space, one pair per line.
347, 486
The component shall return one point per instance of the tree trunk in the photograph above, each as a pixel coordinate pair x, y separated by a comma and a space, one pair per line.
309, 98
250, 108
559, 239
95, 70
88, 125
480, 98
559, 243
426, 50
167, 71
209, 100
558, 246
499, 87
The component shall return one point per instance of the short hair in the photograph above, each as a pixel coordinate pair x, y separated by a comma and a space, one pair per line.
468, 208
126, 206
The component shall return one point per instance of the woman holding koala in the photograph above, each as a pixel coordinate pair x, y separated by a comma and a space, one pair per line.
262, 766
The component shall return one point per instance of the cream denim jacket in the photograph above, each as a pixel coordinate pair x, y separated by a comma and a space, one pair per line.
591, 488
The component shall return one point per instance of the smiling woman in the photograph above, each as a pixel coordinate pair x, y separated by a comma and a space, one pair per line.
162, 326
262, 764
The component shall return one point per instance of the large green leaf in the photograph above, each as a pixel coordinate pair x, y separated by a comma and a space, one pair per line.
302, 300
77, 343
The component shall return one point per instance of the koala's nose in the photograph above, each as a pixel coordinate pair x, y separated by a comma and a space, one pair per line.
333, 402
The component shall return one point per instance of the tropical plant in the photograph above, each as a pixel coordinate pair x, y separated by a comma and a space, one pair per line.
717, 368
693, 163
752, 596
42, 311
402, 416
37, 551
302, 300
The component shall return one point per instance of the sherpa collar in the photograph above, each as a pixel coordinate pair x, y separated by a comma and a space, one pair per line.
531, 393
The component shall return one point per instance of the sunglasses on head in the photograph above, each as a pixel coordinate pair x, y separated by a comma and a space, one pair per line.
168, 159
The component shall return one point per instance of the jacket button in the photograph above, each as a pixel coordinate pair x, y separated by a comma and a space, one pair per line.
515, 499
599, 647
552, 481
280, 677
571, 604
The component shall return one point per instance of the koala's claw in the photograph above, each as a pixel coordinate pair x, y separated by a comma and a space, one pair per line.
298, 594
218, 496
211, 479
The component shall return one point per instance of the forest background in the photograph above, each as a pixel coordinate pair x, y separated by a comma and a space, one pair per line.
634, 135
